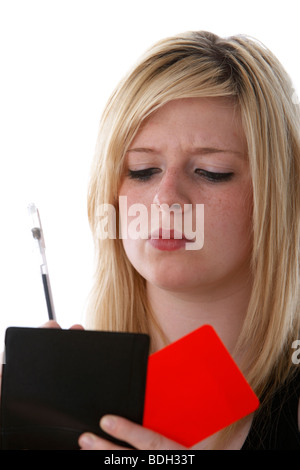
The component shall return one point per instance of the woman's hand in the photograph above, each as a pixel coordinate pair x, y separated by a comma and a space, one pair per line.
123, 429
54, 324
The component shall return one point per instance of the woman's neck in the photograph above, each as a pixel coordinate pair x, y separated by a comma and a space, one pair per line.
180, 313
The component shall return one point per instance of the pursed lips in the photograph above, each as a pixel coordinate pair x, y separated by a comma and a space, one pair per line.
166, 234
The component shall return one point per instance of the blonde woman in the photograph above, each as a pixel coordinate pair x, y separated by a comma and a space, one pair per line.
206, 120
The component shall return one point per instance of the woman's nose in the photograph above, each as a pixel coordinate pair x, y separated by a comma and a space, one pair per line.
171, 190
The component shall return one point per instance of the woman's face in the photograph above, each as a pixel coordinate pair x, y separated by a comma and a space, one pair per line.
191, 151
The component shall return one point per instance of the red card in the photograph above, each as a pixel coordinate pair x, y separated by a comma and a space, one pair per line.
194, 389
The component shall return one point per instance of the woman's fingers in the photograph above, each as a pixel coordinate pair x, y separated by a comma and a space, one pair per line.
88, 441
134, 434
77, 327
51, 324
54, 324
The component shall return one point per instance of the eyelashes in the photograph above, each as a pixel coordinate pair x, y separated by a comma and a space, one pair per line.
142, 175
213, 177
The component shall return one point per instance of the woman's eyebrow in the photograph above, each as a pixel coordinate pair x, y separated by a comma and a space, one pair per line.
210, 150
193, 151
142, 150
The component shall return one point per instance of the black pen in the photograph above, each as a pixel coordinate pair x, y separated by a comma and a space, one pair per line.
38, 235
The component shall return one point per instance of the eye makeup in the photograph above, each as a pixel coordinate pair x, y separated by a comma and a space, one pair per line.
215, 177
145, 175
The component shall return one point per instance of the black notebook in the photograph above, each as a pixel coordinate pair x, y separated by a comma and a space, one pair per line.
57, 384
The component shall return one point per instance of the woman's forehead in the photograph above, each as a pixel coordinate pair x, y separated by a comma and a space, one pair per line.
196, 122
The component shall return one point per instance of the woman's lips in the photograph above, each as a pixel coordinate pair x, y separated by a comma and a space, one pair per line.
167, 245
167, 240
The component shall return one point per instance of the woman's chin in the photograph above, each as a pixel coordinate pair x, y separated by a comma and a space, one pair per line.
172, 280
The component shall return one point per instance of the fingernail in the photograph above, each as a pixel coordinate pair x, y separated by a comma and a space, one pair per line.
87, 440
108, 423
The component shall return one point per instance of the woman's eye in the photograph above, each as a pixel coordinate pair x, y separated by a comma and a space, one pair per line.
214, 177
142, 175
147, 173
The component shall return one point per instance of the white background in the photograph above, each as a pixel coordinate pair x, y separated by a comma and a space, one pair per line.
59, 62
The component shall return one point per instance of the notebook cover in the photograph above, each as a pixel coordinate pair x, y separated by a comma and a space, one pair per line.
58, 383
194, 389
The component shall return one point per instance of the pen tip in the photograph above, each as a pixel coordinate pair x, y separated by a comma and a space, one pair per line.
31, 209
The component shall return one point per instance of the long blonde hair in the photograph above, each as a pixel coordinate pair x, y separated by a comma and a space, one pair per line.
201, 64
